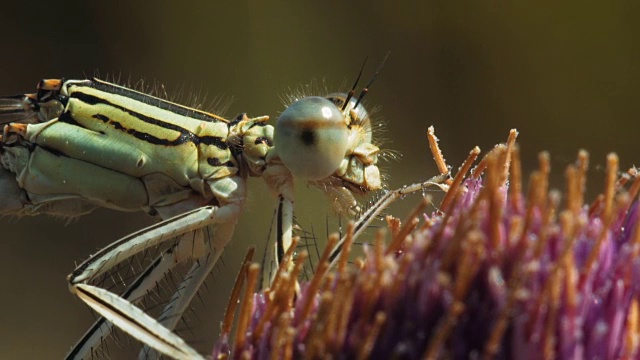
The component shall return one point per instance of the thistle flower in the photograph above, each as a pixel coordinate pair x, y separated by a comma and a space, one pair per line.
494, 273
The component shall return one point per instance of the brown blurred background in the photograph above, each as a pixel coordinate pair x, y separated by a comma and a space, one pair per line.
566, 76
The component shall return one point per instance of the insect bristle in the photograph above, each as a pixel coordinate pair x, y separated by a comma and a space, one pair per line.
301, 91
183, 94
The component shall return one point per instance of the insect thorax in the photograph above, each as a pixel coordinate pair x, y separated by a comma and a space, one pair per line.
118, 148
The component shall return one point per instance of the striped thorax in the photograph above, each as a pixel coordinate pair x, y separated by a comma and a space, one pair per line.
114, 147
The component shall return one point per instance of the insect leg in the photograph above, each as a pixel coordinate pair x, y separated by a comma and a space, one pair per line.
220, 219
283, 241
153, 235
134, 321
101, 329
187, 289
389, 197
149, 279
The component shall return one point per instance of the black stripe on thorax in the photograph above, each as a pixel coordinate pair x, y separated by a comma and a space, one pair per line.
148, 99
185, 135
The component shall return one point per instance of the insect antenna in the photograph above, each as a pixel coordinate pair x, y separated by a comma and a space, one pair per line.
353, 88
365, 90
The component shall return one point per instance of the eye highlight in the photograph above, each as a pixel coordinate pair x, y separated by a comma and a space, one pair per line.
311, 138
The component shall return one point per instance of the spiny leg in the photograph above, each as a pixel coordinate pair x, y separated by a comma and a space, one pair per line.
144, 328
188, 288
284, 234
151, 236
374, 210
222, 218
135, 322
89, 344
175, 308
140, 287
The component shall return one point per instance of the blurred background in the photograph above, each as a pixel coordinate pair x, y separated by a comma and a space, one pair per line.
565, 76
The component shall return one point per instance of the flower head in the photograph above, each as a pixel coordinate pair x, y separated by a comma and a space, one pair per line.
494, 273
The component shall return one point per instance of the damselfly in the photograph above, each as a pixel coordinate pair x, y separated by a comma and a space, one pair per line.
76, 145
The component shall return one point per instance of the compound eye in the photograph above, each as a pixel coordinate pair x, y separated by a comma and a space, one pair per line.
311, 138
